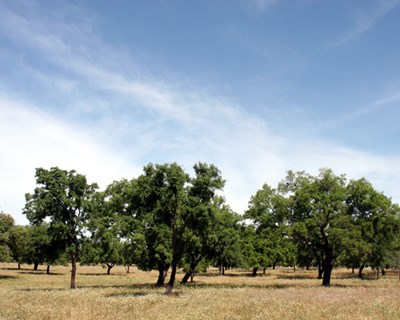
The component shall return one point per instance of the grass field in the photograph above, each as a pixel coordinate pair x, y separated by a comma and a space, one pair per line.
279, 294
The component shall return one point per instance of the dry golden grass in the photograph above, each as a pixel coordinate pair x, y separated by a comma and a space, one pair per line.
280, 294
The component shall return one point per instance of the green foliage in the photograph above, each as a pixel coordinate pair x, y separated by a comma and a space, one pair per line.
65, 198
6, 226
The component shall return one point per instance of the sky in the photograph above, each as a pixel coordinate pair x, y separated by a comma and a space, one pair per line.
256, 87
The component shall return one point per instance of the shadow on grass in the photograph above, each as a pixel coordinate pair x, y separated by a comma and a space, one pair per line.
294, 276
3, 277
102, 274
41, 273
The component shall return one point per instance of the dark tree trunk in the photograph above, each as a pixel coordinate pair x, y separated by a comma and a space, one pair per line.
127, 267
383, 271
328, 266
171, 281
352, 270
73, 270
320, 272
35, 266
162, 274
274, 265
190, 272
254, 271
19, 266
377, 273
294, 268
264, 269
48, 269
109, 267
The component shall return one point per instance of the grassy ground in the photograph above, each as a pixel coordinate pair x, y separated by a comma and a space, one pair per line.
279, 294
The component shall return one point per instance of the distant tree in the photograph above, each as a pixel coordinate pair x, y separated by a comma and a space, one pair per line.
375, 226
6, 225
269, 213
104, 245
227, 251
19, 241
63, 197
41, 248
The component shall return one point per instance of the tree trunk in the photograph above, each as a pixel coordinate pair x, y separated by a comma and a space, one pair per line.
109, 267
320, 273
190, 272
328, 266
19, 266
274, 265
127, 266
264, 269
254, 271
383, 271
221, 270
162, 274
35, 266
73, 270
377, 273
48, 269
360, 270
171, 281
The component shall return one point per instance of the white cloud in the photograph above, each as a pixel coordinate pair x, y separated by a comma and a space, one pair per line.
31, 139
138, 120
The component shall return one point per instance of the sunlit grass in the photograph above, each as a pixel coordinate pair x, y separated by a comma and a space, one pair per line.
279, 294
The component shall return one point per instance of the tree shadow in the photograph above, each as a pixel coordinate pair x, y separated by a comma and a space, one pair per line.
101, 274
42, 289
239, 285
41, 273
3, 277
296, 277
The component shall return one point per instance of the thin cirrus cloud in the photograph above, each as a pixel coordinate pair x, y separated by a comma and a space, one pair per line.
136, 118
365, 21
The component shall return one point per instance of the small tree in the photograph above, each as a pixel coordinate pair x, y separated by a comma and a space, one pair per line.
63, 197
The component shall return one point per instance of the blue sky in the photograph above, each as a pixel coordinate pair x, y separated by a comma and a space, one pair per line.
257, 87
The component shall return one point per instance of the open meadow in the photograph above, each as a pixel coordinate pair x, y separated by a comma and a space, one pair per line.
279, 294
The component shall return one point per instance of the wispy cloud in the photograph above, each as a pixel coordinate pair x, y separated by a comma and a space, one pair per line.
138, 117
265, 4
365, 21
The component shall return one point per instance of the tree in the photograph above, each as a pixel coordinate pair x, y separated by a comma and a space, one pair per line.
319, 213
200, 216
227, 248
6, 225
104, 245
41, 248
19, 241
375, 226
64, 197
268, 212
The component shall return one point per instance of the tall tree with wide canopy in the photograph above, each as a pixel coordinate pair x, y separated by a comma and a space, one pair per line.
158, 203
63, 197
319, 213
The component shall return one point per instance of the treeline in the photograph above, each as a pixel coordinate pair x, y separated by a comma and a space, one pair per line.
165, 219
